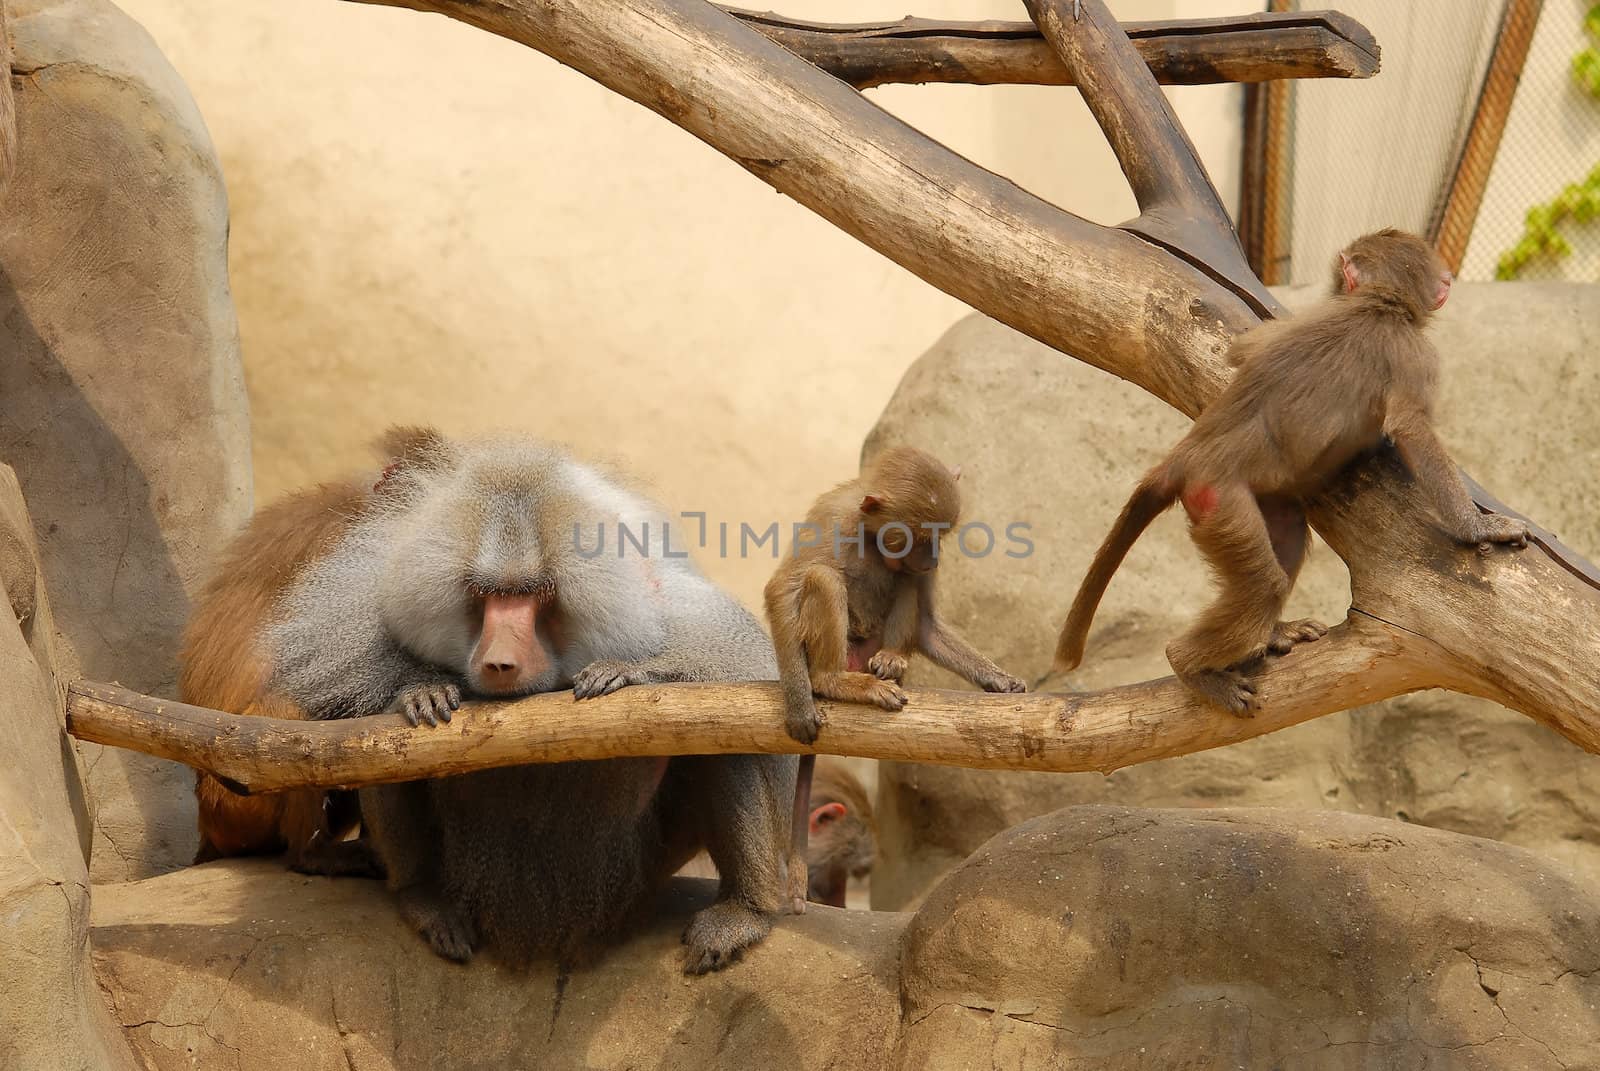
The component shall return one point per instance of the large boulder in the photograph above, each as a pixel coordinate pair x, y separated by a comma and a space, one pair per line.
1251, 938
53, 1015
1052, 442
1096, 936
122, 401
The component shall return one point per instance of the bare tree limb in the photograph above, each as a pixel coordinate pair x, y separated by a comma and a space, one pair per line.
1360, 662
1239, 48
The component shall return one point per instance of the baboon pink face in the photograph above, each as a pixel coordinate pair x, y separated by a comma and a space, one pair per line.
517, 641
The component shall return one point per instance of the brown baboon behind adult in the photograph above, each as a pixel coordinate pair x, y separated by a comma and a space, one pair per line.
224, 666
1312, 393
842, 841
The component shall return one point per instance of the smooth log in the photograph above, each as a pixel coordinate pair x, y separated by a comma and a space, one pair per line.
1240, 48
1362, 661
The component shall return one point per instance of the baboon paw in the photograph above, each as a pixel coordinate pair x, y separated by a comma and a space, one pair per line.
718, 935
806, 729
1494, 528
886, 694
453, 942
1227, 688
601, 678
1002, 682
888, 666
430, 701
449, 932
1286, 634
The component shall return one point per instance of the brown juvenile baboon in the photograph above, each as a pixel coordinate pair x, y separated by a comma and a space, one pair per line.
223, 665
849, 607
498, 567
1311, 394
843, 837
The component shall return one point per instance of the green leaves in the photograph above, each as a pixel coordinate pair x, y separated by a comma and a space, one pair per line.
1580, 201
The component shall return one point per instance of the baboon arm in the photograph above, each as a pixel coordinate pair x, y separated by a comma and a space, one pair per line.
902, 625
1437, 474
943, 645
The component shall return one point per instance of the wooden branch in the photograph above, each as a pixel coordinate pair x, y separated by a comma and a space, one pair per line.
1360, 662
1178, 205
1239, 48
1520, 627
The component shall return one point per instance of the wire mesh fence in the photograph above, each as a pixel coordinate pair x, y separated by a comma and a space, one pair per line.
1482, 131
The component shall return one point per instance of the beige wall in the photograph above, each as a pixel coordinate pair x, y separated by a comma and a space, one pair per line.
432, 224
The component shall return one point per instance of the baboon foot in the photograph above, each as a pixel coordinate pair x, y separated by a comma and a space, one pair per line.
1286, 634
338, 858
860, 688
1227, 688
718, 935
448, 931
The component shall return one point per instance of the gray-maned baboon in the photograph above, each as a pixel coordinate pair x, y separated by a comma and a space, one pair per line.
1312, 393
475, 573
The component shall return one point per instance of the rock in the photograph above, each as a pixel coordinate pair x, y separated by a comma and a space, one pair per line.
53, 1015
241, 964
122, 400
1251, 938
1055, 443
1097, 936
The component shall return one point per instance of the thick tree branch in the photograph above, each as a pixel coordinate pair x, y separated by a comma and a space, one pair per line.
1361, 662
1240, 48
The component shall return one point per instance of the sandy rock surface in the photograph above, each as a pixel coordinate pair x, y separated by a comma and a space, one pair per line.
1149, 939
1056, 444
241, 964
53, 1015
122, 403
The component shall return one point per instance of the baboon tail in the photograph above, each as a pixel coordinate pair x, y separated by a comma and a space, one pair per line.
8, 107
1154, 494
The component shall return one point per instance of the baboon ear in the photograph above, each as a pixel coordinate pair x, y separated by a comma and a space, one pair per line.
955, 473
1352, 275
826, 815
871, 504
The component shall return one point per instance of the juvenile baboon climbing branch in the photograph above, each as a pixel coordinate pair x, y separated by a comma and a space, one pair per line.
1360, 662
1240, 48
